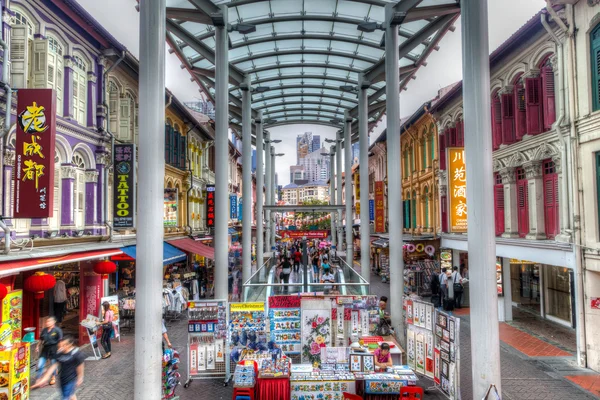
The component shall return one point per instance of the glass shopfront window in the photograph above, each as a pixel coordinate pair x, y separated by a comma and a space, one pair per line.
559, 292
525, 284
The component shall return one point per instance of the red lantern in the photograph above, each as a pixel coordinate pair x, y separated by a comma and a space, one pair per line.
38, 283
104, 268
3, 291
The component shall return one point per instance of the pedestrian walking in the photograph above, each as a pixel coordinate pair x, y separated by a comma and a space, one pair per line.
297, 257
458, 287
286, 270
60, 300
70, 364
107, 328
49, 338
443, 286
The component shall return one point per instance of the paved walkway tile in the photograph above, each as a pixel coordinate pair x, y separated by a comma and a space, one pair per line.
591, 382
529, 345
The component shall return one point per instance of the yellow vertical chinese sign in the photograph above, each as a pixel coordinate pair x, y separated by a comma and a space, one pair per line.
457, 189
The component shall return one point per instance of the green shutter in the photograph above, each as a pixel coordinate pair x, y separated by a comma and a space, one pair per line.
414, 210
598, 184
426, 222
424, 156
595, 58
432, 147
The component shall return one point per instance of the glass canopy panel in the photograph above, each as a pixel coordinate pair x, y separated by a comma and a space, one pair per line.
250, 11
204, 63
178, 3
287, 27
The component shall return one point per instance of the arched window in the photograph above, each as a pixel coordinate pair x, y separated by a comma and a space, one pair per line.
79, 191
21, 19
20, 44
595, 49
125, 120
113, 107
80, 69
55, 61
426, 216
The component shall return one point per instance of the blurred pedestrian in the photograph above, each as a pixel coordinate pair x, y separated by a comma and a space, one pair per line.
49, 338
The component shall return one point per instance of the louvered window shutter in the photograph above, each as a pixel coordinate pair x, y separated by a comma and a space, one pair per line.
551, 206
548, 97
496, 122
167, 143
59, 81
442, 147
460, 133
533, 89
19, 56
444, 213
508, 119
523, 207
520, 112
452, 137
499, 208
39, 70
595, 59
125, 119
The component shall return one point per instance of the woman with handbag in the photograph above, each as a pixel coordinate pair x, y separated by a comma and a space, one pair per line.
107, 328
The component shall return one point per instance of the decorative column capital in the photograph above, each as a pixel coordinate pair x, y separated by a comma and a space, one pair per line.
67, 171
507, 89
532, 73
508, 175
91, 175
9, 158
557, 164
533, 169
103, 158
68, 62
92, 77
103, 62
443, 190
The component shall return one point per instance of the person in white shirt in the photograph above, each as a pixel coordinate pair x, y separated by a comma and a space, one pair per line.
327, 277
60, 300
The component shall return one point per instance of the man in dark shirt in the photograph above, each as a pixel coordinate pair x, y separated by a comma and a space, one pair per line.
49, 339
71, 361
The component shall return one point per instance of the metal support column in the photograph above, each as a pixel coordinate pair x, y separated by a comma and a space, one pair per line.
268, 168
338, 182
221, 155
332, 150
148, 353
363, 135
246, 179
259, 191
272, 191
392, 82
485, 345
348, 183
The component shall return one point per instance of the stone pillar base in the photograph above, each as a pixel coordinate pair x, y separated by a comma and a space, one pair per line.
510, 235
564, 238
536, 236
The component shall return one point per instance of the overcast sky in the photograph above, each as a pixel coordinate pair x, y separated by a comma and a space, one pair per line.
444, 67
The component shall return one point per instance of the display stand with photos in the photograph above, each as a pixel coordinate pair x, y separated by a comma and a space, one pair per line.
246, 331
432, 345
15, 372
207, 338
91, 324
353, 316
285, 323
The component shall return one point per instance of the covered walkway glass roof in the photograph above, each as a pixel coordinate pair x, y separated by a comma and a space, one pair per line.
304, 56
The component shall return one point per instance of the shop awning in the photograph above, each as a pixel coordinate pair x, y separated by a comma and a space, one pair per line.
194, 246
15, 267
170, 253
232, 231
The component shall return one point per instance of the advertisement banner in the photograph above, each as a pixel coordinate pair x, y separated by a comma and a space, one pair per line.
257, 306
170, 207
357, 207
233, 206
12, 315
357, 186
379, 207
309, 234
33, 175
210, 206
113, 301
124, 190
240, 209
371, 210
457, 189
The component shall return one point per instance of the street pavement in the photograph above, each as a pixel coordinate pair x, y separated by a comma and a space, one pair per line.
524, 377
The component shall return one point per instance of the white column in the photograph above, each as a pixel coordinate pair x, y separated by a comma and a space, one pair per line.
508, 315
221, 155
348, 183
363, 133
148, 352
511, 210
259, 191
535, 186
268, 167
485, 345
332, 215
246, 179
272, 191
394, 174
338, 172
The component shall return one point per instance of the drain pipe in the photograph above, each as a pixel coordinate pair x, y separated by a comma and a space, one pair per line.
112, 143
576, 189
3, 132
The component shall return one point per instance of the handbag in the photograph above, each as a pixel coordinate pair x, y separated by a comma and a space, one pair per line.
458, 287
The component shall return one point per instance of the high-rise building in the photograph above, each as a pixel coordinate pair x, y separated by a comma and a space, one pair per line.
253, 160
316, 143
355, 153
305, 145
316, 165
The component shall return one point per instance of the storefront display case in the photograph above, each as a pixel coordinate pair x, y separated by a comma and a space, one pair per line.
15, 372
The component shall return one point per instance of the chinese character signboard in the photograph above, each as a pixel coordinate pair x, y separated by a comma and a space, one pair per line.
124, 191
233, 206
34, 162
357, 186
379, 221
371, 210
457, 179
240, 209
170, 207
357, 206
210, 206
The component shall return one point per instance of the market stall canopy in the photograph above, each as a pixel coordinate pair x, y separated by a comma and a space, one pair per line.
170, 253
195, 247
15, 267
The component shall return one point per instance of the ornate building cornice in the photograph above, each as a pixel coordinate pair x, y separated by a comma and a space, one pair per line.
67, 172
533, 169
91, 176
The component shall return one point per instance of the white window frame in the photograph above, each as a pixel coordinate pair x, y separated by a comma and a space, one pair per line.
79, 191
56, 70
80, 80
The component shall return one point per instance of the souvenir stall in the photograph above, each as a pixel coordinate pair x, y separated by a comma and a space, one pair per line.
175, 294
419, 266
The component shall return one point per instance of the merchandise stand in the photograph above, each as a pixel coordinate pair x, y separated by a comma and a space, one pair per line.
208, 354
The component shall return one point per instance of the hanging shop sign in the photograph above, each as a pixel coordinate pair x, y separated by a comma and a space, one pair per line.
457, 178
379, 221
124, 190
170, 207
233, 206
240, 209
357, 206
371, 210
210, 206
357, 186
34, 163
295, 234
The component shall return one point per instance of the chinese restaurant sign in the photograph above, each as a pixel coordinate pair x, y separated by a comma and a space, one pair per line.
210, 206
233, 206
379, 222
34, 164
371, 210
124, 192
457, 178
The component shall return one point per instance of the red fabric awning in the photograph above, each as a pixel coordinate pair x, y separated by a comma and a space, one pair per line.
194, 246
14, 267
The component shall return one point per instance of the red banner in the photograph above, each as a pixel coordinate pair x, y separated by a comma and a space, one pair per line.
300, 234
34, 161
284, 301
210, 206
379, 208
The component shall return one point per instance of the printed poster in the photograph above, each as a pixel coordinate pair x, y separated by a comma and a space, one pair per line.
354, 323
416, 314
364, 322
429, 318
285, 324
201, 358
219, 350
316, 333
409, 312
422, 315
193, 359
210, 357
436, 366
429, 354
420, 354
12, 314
340, 321
410, 349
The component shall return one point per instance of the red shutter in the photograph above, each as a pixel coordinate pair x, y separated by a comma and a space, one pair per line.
444, 216
533, 93
523, 207
448, 138
499, 208
452, 137
460, 133
548, 97
496, 122
520, 112
508, 119
442, 149
551, 204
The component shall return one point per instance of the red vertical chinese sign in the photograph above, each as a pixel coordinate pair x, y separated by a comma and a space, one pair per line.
210, 206
34, 163
379, 208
